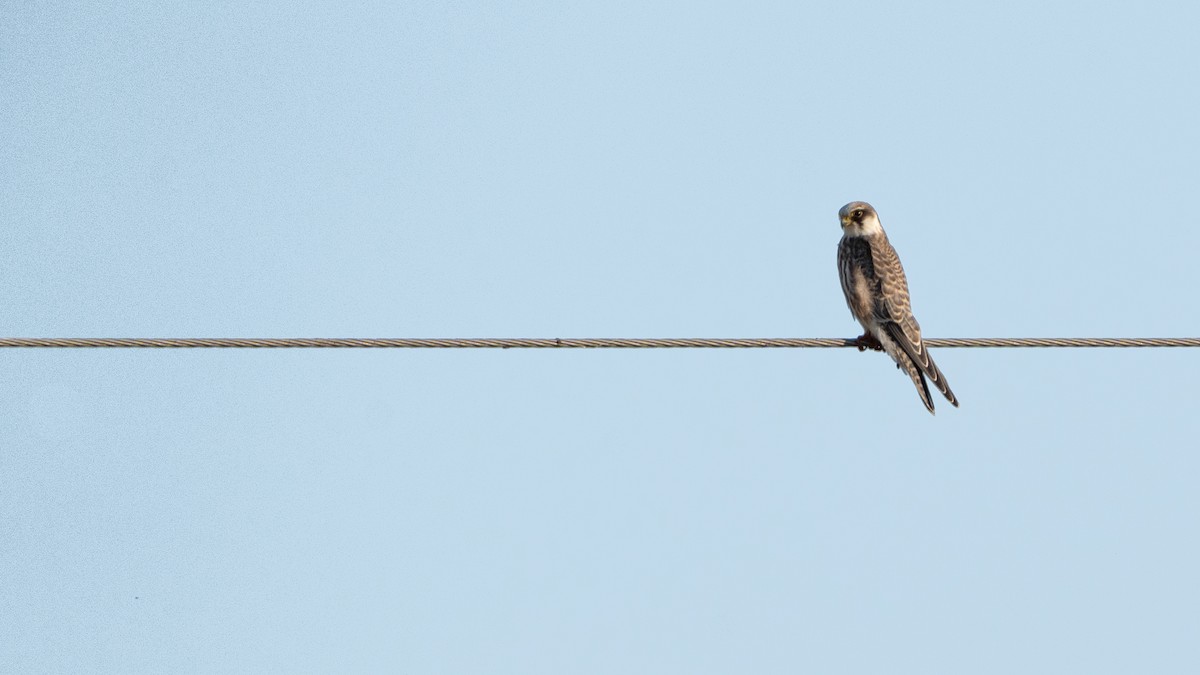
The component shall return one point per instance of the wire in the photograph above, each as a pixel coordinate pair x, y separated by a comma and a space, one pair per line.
567, 343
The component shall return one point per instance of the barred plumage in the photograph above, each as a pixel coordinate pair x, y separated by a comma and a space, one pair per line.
876, 291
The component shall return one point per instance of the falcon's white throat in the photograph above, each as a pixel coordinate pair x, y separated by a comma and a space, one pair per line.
869, 226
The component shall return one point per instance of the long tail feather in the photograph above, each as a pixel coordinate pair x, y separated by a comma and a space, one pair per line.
918, 379
923, 361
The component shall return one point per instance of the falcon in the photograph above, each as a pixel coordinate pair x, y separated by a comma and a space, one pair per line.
877, 294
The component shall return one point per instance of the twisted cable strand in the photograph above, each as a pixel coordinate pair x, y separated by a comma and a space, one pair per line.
568, 343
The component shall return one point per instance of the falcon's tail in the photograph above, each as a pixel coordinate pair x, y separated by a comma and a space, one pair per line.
939, 381
921, 364
918, 379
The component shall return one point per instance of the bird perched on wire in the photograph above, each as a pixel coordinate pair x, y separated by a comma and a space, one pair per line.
877, 293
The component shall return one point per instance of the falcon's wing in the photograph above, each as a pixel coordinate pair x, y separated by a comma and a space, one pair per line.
891, 301
894, 311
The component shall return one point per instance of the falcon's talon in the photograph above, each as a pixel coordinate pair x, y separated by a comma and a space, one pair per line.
867, 341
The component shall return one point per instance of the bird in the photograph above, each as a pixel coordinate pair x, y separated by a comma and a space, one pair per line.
877, 293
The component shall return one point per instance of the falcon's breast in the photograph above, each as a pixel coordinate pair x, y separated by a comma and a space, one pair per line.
856, 269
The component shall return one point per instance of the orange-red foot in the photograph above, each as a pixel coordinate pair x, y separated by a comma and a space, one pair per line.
867, 341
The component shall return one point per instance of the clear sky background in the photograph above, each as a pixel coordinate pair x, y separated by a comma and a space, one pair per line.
615, 169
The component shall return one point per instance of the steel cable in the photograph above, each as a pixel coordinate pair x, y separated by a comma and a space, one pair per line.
567, 343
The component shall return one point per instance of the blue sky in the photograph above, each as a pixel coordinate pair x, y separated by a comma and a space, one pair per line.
598, 170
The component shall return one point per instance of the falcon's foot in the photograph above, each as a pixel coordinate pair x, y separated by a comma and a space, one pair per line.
867, 341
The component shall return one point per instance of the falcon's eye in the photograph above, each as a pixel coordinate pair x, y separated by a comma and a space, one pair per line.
857, 215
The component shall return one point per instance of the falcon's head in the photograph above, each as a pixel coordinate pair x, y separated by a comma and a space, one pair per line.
859, 220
